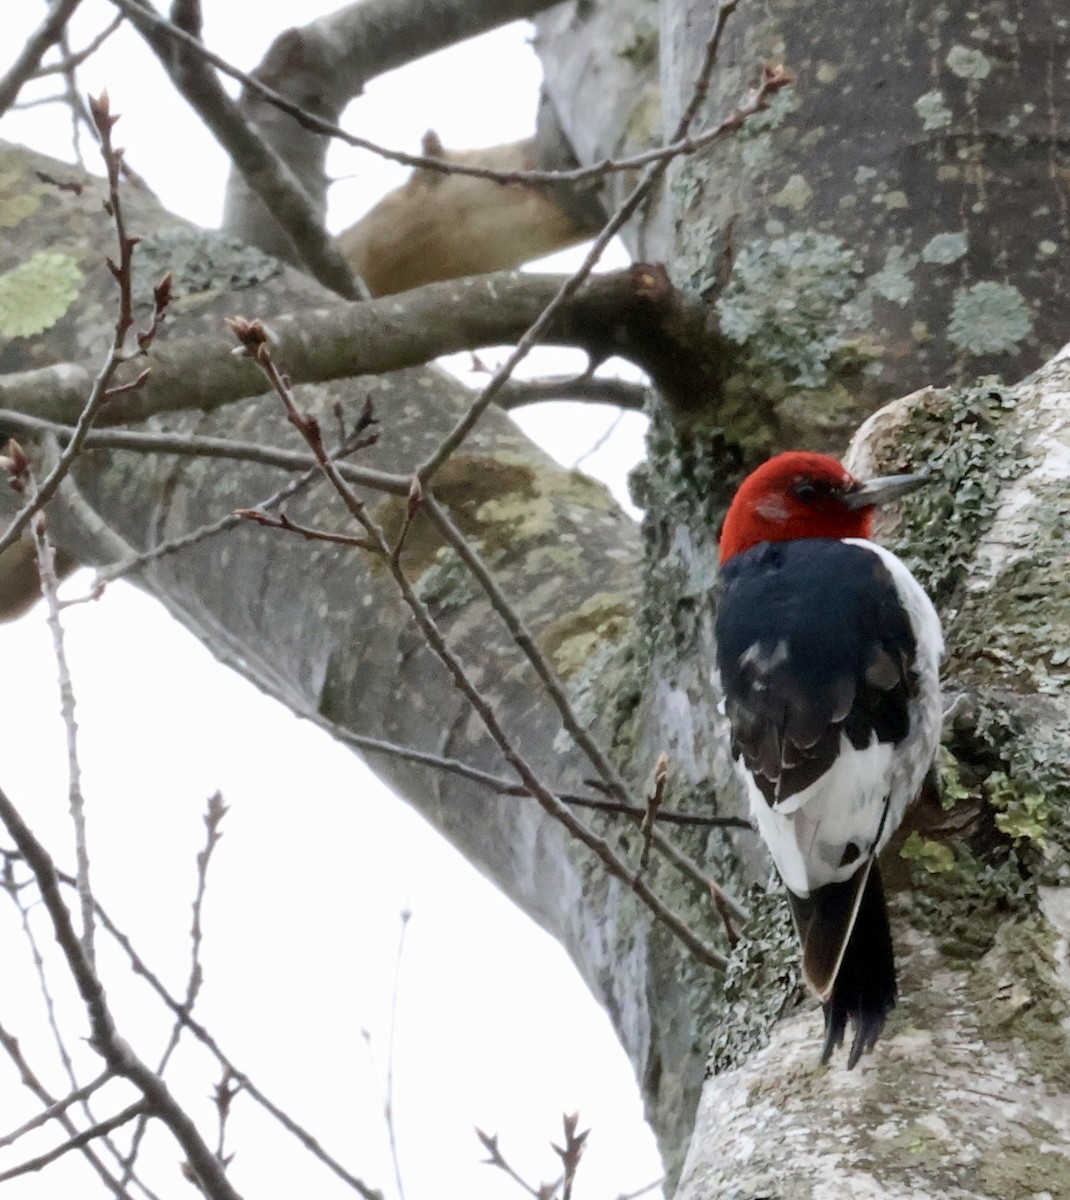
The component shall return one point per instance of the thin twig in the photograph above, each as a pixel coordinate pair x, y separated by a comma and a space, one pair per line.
585, 389
653, 804
388, 1099
104, 1037
101, 391
46, 569
253, 338
70, 61
495, 1158
571, 1152
281, 521
55, 1109
771, 81
599, 441
37, 45
213, 818
11, 1045
680, 144
101, 1130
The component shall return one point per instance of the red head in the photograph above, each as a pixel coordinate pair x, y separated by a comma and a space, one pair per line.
804, 495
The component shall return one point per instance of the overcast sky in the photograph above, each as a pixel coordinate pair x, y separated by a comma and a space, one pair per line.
317, 860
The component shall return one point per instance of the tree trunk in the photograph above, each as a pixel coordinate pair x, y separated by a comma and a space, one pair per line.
898, 219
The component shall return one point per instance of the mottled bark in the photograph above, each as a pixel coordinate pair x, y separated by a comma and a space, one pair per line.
324, 632
898, 221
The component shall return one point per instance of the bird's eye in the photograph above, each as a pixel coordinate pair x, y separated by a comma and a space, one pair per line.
805, 491
809, 490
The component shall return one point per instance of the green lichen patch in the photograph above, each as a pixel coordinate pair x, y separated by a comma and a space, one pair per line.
929, 856
967, 62
37, 293
894, 280
200, 260
1019, 999
989, 318
957, 434
933, 111
17, 206
944, 248
602, 618
761, 983
784, 301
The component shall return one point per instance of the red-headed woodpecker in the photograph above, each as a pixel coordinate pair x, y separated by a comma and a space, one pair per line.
828, 652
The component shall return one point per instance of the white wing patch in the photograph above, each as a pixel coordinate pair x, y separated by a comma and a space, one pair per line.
810, 833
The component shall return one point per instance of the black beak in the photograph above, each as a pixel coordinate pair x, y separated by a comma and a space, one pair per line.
884, 489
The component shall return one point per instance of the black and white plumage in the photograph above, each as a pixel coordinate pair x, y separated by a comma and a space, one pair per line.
828, 653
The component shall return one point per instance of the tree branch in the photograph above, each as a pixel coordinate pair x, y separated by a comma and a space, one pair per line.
636, 314
39, 43
104, 1036
265, 171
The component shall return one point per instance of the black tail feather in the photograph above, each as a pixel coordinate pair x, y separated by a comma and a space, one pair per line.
865, 989
848, 958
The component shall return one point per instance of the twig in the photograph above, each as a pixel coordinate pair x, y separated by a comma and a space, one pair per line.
101, 1130
282, 521
728, 908
70, 61
30, 1080
253, 339
55, 1109
643, 1191
25, 483
226, 1089
599, 441
771, 81
679, 144
495, 1158
213, 818
100, 392
571, 1152
388, 1099
104, 1036
192, 446
653, 804
39, 42
586, 389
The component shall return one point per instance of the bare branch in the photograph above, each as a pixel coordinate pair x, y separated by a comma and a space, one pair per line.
213, 818
100, 391
269, 176
635, 313
100, 1130
105, 1038
55, 1109
70, 61
586, 389
253, 338
46, 568
37, 45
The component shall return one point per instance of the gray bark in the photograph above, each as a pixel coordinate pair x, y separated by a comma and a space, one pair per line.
849, 220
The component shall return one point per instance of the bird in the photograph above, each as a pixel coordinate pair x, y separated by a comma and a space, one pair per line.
828, 651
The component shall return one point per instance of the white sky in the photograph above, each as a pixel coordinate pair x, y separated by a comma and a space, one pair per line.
317, 860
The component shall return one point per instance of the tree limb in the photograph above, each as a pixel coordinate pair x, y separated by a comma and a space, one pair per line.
635, 313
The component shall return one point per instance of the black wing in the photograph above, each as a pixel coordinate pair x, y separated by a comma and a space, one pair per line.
812, 641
